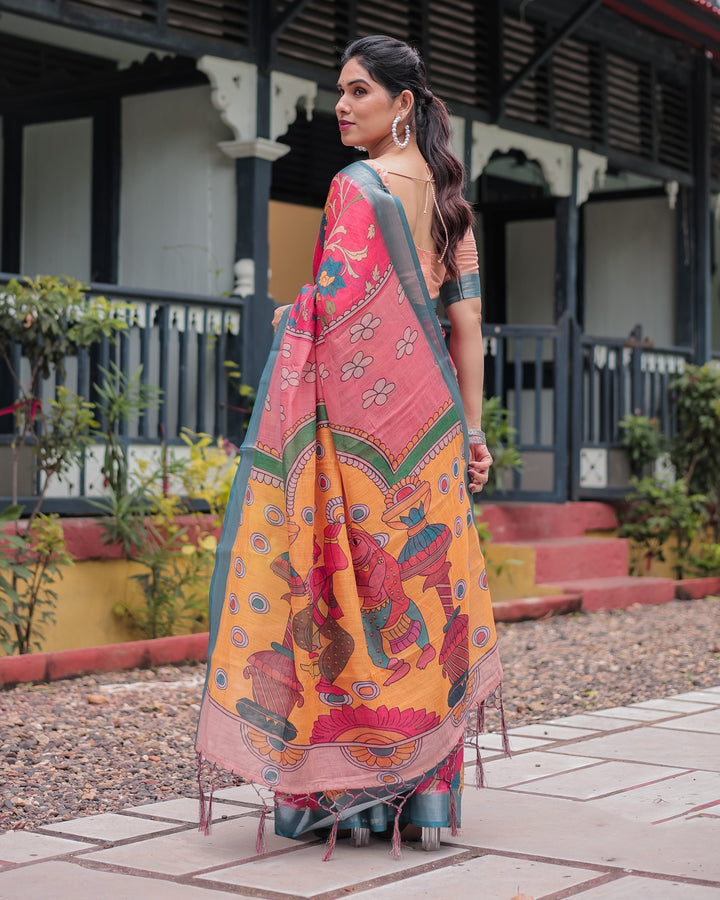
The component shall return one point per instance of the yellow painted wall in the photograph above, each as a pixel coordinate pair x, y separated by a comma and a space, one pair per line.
293, 231
87, 596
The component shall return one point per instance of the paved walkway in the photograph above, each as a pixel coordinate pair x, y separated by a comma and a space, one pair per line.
620, 804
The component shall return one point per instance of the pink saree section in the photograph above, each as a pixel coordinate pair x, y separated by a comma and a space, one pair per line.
352, 641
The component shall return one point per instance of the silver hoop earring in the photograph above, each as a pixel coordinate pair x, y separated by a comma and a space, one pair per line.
401, 145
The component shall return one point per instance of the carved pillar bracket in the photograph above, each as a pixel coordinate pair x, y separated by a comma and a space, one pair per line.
592, 169
715, 206
554, 159
234, 93
262, 148
286, 92
671, 189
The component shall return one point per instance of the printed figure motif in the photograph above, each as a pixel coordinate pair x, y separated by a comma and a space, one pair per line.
390, 618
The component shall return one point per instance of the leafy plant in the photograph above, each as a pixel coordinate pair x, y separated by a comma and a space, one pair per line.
695, 449
644, 440
656, 512
47, 320
157, 511
501, 437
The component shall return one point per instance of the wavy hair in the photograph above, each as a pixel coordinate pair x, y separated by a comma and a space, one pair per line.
398, 67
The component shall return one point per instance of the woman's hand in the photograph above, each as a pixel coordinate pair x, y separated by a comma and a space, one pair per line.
480, 462
279, 310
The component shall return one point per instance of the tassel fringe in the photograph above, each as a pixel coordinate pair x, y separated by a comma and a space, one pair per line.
453, 814
396, 839
205, 817
332, 840
260, 838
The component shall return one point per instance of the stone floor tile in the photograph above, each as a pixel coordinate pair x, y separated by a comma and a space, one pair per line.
565, 830
304, 874
491, 744
596, 781
65, 880
189, 851
709, 696
109, 827
702, 825
486, 878
672, 797
25, 846
594, 722
245, 793
186, 809
671, 706
633, 713
528, 767
708, 722
661, 746
551, 732
633, 887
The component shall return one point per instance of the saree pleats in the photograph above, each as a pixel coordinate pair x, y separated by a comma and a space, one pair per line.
351, 631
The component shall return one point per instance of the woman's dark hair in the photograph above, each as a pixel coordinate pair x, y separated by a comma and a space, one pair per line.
398, 67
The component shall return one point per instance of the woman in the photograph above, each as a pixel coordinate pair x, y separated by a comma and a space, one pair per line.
351, 634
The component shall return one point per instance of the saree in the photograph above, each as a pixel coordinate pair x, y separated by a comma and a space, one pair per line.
352, 642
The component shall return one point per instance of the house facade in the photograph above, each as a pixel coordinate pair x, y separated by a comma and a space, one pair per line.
177, 154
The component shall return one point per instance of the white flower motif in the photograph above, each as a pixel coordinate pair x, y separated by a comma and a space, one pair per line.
356, 367
288, 378
309, 372
323, 371
268, 405
286, 349
405, 345
378, 394
364, 329
282, 413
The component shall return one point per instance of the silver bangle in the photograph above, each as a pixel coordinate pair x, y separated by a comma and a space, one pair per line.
476, 436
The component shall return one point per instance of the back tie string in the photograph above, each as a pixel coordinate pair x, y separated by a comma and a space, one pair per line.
429, 183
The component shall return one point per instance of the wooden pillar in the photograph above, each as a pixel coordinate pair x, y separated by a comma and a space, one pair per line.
685, 254
567, 231
253, 177
105, 191
12, 194
702, 97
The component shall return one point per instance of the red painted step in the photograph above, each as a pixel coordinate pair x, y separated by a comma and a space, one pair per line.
536, 607
619, 592
510, 522
579, 557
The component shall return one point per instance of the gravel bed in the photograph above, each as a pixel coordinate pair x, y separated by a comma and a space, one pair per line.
107, 742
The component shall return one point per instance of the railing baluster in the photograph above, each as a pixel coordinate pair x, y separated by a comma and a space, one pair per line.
220, 382
182, 374
538, 390
163, 374
124, 362
591, 406
201, 380
145, 338
518, 400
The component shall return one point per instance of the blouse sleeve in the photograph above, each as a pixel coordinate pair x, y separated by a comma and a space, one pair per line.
468, 282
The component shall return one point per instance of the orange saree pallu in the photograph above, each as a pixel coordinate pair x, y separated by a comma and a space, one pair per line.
352, 642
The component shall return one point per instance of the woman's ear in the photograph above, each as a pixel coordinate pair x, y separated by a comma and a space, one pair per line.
407, 101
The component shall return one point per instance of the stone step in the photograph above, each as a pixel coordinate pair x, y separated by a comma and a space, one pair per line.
509, 522
536, 607
564, 558
619, 592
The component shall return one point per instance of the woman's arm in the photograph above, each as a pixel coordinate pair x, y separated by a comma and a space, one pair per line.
277, 315
467, 352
